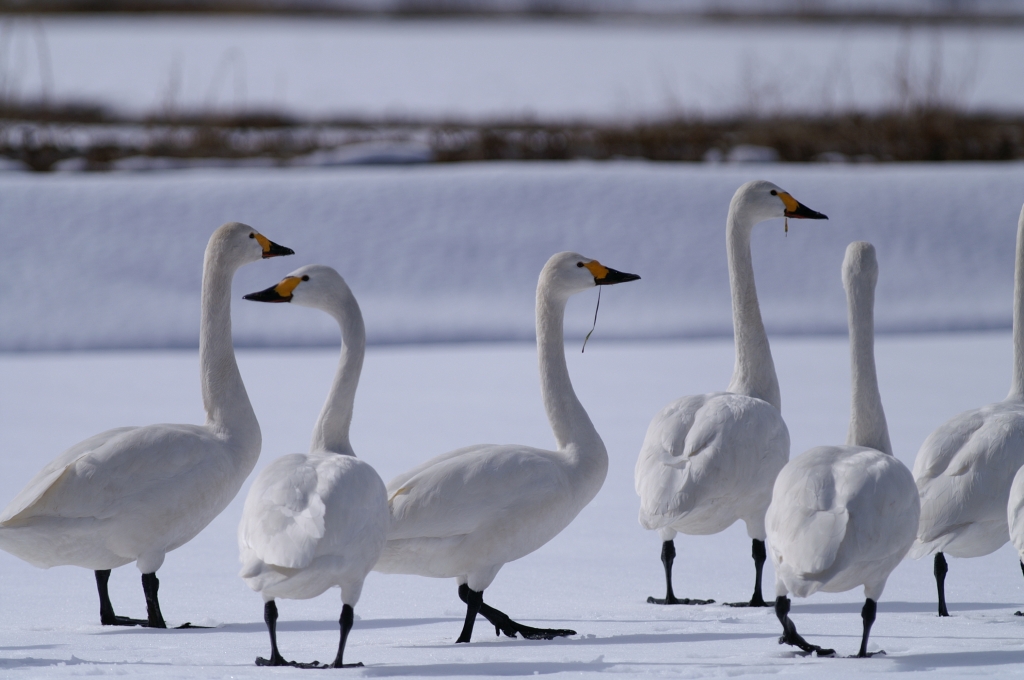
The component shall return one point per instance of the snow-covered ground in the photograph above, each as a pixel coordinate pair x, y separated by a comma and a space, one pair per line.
515, 69
451, 253
594, 577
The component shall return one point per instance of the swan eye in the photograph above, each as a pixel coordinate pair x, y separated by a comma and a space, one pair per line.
252, 235
305, 277
579, 264
774, 192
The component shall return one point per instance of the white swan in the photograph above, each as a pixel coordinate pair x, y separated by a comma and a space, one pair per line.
965, 468
132, 494
845, 516
711, 459
317, 520
464, 514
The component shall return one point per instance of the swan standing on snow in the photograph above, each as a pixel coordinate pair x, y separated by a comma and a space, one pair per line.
711, 459
965, 468
464, 514
133, 494
845, 516
317, 520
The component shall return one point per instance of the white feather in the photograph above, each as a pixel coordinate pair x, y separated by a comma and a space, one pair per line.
965, 468
466, 513
136, 493
318, 520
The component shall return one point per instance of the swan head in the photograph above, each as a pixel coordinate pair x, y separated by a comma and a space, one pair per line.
760, 200
244, 244
571, 273
314, 285
860, 266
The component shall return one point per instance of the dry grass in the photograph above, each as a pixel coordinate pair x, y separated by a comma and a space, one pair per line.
41, 137
931, 135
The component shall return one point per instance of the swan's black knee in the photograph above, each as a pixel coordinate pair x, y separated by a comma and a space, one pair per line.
782, 607
868, 611
668, 552
759, 552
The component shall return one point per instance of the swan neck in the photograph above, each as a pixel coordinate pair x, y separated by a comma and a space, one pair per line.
868, 426
1017, 386
224, 396
754, 371
331, 432
569, 421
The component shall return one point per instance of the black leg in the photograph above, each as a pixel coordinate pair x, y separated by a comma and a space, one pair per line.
760, 555
789, 634
941, 568
107, 615
270, 617
668, 556
473, 601
1022, 571
868, 614
501, 621
347, 617
150, 586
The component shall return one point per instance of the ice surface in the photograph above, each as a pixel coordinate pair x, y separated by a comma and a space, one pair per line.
452, 253
594, 577
507, 69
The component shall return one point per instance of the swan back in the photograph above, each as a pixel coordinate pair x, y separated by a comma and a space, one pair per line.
867, 418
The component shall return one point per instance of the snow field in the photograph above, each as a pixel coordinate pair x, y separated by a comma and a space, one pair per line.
452, 253
594, 577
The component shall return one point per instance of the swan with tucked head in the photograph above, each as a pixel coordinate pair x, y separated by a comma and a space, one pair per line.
845, 516
318, 520
133, 494
965, 468
465, 513
711, 459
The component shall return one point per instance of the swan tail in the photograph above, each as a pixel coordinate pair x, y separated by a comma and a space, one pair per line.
20, 509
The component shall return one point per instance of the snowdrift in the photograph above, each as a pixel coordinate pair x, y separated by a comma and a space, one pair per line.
451, 253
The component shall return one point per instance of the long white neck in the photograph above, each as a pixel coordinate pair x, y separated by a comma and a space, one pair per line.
227, 404
1017, 386
867, 419
754, 372
573, 431
331, 430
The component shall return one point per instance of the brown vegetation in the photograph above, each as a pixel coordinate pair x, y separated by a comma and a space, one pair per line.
41, 137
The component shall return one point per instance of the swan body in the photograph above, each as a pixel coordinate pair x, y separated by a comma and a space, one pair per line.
133, 494
465, 513
710, 460
1015, 516
964, 472
845, 516
317, 520
965, 468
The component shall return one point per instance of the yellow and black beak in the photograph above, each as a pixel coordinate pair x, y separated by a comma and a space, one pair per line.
605, 276
282, 292
795, 208
271, 249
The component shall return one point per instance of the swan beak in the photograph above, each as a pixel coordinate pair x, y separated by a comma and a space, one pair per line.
795, 208
271, 249
605, 276
282, 292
